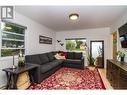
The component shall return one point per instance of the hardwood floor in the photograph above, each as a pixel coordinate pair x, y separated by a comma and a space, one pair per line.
103, 76
105, 81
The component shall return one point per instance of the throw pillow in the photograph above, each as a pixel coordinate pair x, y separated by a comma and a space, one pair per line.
64, 54
58, 56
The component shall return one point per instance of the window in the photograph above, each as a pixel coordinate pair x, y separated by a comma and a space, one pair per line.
12, 39
76, 44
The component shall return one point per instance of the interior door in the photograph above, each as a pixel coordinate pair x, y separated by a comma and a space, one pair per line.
97, 51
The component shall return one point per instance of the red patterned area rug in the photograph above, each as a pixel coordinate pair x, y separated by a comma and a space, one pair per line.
74, 79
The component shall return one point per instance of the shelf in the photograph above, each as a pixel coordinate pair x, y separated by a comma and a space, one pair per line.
12, 39
12, 48
13, 33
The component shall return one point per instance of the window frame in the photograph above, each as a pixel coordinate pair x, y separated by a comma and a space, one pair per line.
1, 31
75, 39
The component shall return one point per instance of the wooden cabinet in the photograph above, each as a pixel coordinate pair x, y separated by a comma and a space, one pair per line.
117, 74
114, 73
123, 79
108, 71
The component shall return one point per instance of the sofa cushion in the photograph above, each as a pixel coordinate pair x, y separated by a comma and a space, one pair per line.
70, 55
58, 61
50, 56
44, 58
33, 59
45, 67
50, 65
73, 61
55, 63
78, 55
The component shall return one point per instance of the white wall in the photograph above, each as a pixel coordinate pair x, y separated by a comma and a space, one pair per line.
32, 45
114, 27
89, 34
33, 31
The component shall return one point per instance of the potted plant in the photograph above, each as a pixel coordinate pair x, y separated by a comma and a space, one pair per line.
21, 61
90, 59
120, 56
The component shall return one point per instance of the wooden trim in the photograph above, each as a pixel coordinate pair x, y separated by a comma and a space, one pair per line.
114, 45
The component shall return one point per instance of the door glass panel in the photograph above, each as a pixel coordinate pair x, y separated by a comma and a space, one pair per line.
96, 49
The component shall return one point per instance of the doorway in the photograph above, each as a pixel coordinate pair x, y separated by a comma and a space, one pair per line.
97, 51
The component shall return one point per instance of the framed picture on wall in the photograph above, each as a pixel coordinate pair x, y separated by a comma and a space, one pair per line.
45, 40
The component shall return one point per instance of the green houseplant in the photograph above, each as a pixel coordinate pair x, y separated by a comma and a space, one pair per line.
21, 61
90, 59
120, 55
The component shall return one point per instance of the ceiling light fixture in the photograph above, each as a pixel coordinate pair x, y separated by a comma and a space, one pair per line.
73, 16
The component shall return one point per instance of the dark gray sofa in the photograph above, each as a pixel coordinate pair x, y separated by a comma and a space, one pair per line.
74, 60
47, 64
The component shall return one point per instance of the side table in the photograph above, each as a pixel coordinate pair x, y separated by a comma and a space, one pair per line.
12, 74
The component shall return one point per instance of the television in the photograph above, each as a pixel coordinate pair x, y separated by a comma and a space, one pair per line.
123, 35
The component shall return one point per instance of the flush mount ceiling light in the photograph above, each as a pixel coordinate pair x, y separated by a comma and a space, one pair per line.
73, 16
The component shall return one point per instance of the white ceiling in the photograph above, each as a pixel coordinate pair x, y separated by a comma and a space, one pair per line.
56, 17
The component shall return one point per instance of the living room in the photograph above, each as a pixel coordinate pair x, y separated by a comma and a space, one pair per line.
52, 22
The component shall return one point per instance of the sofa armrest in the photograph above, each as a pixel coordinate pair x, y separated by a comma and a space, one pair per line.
36, 73
82, 60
